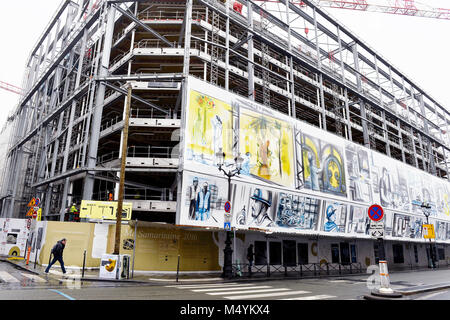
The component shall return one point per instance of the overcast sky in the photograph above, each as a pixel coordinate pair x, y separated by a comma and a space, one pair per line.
419, 47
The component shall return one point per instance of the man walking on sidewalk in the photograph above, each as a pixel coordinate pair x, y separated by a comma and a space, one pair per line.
57, 252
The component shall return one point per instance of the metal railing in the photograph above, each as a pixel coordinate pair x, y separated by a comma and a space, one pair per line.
297, 270
141, 152
138, 194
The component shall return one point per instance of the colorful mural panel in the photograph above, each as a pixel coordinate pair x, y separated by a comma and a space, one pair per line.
209, 126
267, 146
334, 217
323, 166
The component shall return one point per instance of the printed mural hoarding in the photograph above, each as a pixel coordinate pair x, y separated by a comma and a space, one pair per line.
295, 178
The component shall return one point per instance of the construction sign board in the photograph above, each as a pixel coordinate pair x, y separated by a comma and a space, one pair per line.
32, 202
30, 212
104, 210
428, 231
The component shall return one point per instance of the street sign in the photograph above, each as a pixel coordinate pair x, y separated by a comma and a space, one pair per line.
227, 226
377, 228
38, 201
227, 207
34, 214
375, 212
30, 212
32, 202
428, 231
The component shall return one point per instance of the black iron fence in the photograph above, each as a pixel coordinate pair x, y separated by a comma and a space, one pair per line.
297, 270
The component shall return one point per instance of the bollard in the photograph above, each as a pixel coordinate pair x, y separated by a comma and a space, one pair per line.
28, 255
35, 257
384, 276
178, 267
84, 263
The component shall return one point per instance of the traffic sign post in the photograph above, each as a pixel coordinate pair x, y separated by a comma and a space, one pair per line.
376, 215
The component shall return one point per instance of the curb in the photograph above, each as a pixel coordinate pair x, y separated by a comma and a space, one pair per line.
19, 266
428, 288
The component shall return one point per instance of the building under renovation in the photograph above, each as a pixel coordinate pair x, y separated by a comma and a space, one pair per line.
323, 126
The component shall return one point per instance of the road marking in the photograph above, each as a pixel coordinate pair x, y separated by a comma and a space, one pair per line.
429, 296
340, 281
318, 297
5, 276
33, 277
63, 294
248, 291
231, 288
265, 295
184, 280
222, 285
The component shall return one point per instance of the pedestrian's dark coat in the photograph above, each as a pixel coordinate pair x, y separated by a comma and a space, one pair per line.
58, 249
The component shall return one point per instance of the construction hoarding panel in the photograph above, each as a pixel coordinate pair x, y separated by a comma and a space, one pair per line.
292, 172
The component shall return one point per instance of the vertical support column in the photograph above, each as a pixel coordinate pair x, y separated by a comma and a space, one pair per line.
319, 65
386, 134
250, 56
400, 139
347, 108
227, 45
99, 100
70, 126
361, 103
291, 83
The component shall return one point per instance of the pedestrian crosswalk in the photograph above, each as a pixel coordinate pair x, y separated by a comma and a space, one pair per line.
6, 277
248, 291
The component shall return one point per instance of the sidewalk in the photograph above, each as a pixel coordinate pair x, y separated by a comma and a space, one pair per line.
416, 281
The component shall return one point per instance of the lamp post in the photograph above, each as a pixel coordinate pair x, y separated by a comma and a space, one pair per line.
425, 207
235, 169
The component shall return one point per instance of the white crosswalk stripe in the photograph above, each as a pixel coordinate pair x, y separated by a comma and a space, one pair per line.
265, 295
243, 291
231, 288
6, 277
220, 285
249, 291
317, 297
33, 277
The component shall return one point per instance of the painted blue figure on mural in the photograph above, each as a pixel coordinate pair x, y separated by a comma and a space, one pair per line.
203, 203
246, 166
330, 225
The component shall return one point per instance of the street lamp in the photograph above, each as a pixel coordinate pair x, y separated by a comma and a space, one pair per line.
425, 207
235, 169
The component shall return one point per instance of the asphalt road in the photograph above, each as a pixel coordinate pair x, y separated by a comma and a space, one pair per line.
16, 284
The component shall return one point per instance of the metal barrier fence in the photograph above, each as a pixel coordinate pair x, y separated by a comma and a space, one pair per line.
296, 270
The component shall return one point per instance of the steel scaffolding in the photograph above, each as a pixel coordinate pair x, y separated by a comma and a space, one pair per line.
65, 144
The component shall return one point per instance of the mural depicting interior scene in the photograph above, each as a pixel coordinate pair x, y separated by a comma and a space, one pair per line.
406, 226
323, 166
266, 144
296, 211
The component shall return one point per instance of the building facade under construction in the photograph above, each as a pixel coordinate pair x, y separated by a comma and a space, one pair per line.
324, 126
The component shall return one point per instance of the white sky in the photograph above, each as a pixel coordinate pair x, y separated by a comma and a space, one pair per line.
419, 47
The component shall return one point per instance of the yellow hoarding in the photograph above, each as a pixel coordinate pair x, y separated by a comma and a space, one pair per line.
105, 210
428, 231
